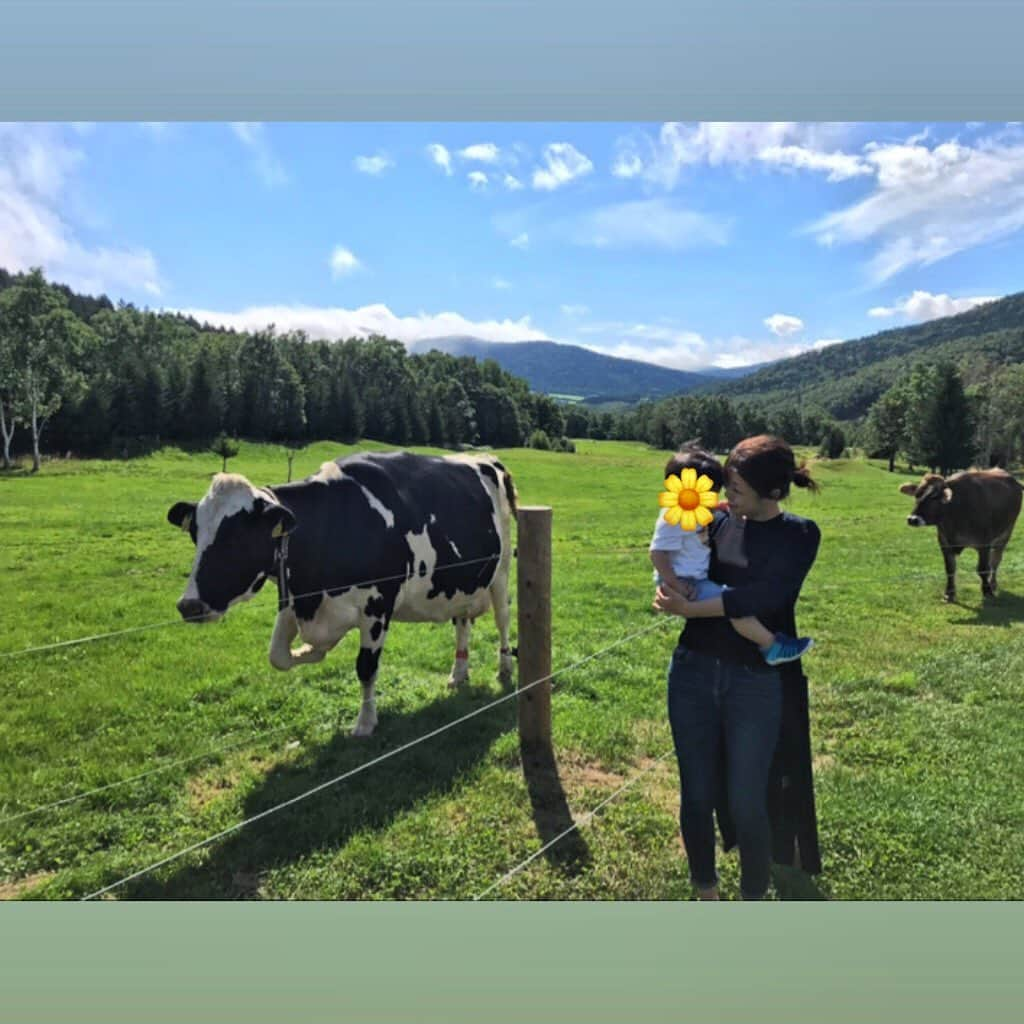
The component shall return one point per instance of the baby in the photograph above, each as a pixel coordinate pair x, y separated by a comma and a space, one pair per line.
681, 557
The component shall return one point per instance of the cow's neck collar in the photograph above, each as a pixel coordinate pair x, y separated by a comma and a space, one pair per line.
280, 569
284, 598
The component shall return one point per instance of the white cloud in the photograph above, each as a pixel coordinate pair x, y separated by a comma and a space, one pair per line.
923, 306
37, 186
661, 161
521, 241
563, 163
627, 165
512, 183
440, 156
649, 343
655, 223
731, 361
930, 203
682, 349
373, 164
782, 325
680, 355
687, 350
484, 152
740, 351
253, 135
477, 180
840, 166
343, 262
500, 282
335, 322
575, 310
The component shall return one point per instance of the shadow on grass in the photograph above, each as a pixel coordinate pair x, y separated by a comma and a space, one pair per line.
370, 800
1005, 609
793, 884
551, 812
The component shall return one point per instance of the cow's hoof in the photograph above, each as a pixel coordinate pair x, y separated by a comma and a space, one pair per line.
454, 682
949, 598
363, 729
505, 678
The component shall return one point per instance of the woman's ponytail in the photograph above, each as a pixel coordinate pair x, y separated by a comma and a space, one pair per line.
768, 465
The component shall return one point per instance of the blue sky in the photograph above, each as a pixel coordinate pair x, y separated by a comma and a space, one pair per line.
686, 244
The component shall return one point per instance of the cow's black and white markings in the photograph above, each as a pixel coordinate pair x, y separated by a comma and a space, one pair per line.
434, 533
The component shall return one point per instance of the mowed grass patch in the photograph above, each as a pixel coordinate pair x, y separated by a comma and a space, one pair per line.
187, 731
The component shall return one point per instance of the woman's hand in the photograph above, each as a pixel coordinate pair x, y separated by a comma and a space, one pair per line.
675, 604
670, 602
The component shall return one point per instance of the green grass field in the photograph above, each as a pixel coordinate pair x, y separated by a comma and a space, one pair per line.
916, 708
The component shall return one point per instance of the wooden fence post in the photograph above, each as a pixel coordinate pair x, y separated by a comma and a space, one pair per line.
533, 601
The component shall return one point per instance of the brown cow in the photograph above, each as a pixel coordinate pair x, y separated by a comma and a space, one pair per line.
973, 509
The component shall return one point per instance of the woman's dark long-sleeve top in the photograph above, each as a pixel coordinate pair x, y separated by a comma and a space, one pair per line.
765, 564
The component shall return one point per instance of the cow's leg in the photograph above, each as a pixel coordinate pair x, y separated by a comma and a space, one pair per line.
949, 555
998, 547
986, 570
286, 629
372, 633
502, 616
460, 669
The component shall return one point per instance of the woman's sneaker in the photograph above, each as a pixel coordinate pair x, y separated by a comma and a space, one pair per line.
787, 648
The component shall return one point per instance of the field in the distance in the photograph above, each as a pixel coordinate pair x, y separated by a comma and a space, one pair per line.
916, 707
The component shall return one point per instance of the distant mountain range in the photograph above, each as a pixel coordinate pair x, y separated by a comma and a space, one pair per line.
558, 369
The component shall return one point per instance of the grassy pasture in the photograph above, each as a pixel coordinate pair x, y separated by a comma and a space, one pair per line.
917, 719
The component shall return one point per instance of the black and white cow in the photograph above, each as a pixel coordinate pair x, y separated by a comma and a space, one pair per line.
369, 539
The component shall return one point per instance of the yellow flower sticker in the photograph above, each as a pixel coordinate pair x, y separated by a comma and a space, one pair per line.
688, 499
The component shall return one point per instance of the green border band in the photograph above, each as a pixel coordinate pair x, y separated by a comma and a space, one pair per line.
529, 962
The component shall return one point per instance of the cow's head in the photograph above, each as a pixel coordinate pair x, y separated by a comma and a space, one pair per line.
235, 529
931, 497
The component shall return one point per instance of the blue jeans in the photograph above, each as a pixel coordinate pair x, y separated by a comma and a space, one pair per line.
716, 707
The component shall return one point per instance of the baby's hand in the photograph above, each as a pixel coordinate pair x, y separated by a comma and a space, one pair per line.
682, 588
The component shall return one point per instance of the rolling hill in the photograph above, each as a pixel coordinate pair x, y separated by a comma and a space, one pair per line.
846, 379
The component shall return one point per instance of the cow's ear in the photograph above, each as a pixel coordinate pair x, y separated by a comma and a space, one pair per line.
182, 514
947, 495
908, 488
283, 521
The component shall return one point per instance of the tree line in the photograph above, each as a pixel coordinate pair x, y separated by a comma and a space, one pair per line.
939, 414
79, 374
101, 379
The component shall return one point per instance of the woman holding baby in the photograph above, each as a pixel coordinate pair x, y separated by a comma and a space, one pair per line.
737, 696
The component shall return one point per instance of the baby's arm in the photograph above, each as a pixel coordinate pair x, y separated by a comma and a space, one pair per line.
662, 561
